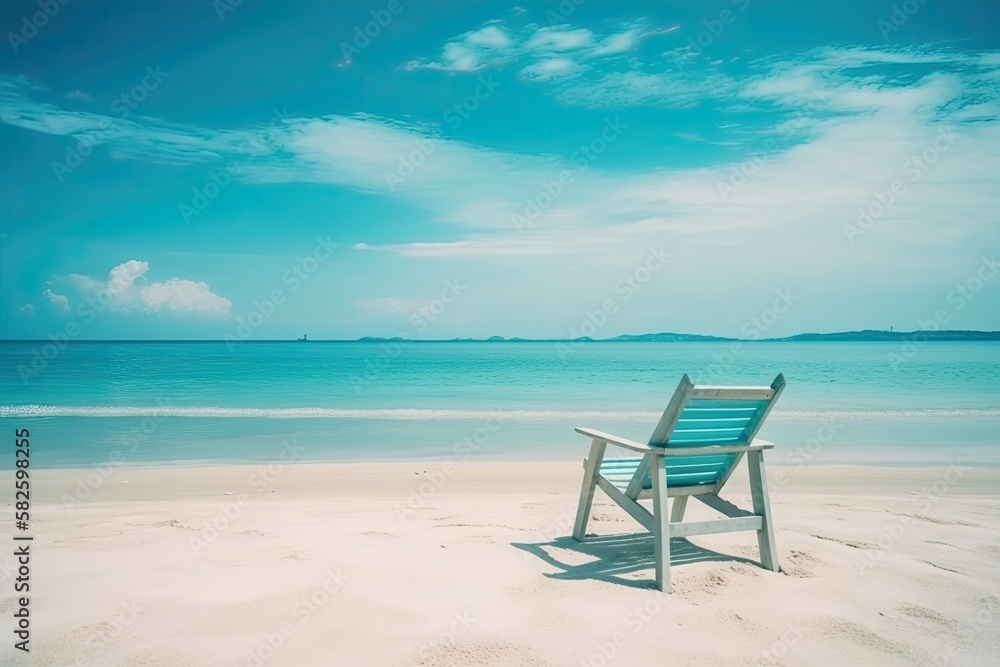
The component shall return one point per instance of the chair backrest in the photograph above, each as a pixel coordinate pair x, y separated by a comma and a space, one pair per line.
699, 416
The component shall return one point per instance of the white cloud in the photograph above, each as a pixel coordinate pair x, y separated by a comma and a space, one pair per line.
122, 277
129, 138
491, 36
185, 296
459, 58
840, 129
469, 52
544, 70
121, 294
27, 309
841, 136
559, 38
78, 95
619, 43
61, 301
493, 45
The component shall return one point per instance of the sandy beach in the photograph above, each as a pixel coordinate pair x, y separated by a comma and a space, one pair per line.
471, 564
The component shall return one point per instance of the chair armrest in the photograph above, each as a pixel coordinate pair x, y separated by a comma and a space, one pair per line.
615, 440
755, 446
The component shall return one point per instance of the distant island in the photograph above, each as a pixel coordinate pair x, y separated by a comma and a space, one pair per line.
867, 335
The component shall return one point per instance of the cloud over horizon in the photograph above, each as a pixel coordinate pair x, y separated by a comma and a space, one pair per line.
125, 293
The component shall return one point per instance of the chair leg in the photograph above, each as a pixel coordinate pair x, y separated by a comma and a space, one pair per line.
661, 524
590, 472
677, 509
762, 508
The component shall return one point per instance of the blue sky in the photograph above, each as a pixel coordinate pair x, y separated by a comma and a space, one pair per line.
263, 170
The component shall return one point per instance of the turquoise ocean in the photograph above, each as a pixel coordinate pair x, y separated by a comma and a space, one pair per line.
878, 403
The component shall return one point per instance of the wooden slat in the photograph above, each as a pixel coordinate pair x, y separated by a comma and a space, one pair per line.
778, 386
723, 506
614, 440
697, 434
685, 474
677, 509
738, 393
662, 530
718, 413
676, 491
672, 412
591, 466
706, 440
689, 528
639, 475
717, 449
762, 507
698, 470
686, 423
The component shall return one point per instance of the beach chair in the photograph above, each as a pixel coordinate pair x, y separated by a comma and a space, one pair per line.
701, 437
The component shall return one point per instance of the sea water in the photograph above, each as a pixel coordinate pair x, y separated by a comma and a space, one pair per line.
876, 403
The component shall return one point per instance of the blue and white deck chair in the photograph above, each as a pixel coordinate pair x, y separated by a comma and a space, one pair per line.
700, 439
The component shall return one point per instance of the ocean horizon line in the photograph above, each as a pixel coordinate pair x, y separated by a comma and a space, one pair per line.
858, 336
450, 414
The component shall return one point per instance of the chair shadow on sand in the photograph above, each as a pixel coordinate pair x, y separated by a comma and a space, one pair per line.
612, 556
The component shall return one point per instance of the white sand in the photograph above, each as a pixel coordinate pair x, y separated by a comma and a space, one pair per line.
320, 559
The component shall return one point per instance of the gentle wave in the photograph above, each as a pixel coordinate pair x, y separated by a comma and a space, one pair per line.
414, 414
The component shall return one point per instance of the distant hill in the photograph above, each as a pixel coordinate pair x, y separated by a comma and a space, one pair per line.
664, 338
867, 335
870, 335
